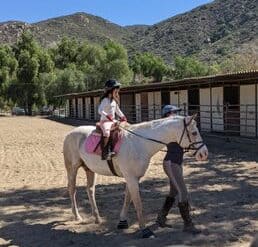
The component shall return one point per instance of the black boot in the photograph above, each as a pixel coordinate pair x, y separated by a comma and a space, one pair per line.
104, 148
184, 209
110, 152
162, 216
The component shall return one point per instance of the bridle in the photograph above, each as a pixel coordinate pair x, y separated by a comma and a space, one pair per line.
192, 145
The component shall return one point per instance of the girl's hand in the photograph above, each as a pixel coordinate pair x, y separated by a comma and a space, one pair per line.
123, 119
110, 117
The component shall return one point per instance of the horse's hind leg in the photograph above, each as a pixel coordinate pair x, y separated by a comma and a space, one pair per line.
71, 175
91, 178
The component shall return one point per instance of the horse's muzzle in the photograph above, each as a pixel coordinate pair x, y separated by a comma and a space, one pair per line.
202, 154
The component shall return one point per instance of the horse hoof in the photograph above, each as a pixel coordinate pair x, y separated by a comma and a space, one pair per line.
147, 233
161, 221
123, 224
98, 221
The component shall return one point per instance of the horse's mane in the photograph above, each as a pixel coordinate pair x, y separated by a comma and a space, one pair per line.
152, 123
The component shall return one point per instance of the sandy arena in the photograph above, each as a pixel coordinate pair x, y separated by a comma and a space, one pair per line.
35, 207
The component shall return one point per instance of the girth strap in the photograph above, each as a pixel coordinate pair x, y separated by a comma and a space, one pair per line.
111, 167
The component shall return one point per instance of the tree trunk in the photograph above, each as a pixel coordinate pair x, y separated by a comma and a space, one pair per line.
30, 110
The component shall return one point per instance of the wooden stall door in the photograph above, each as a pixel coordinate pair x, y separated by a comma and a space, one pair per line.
128, 106
144, 107
194, 103
232, 110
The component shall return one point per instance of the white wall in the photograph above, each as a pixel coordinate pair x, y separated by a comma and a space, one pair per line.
87, 108
80, 108
157, 101
173, 98
205, 109
74, 108
183, 101
96, 105
67, 108
247, 110
138, 107
217, 109
154, 105
150, 105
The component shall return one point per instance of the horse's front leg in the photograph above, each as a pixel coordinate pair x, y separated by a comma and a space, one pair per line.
123, 224
133, 187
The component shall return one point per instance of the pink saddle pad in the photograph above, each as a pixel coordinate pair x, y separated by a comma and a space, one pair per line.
92, 144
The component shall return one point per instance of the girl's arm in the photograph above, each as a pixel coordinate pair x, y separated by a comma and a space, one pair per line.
102, 106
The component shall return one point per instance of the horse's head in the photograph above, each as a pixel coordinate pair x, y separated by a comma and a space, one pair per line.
191, 140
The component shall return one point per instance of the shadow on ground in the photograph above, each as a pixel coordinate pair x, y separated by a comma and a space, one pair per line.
226, 214
224, 195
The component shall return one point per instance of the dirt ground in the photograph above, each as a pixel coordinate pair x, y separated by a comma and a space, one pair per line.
35, 208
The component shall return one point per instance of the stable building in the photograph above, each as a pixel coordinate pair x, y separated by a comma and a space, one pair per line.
224, 103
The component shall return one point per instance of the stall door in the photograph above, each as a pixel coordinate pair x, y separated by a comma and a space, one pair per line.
128, 106
144, 107
194, 103
232, 110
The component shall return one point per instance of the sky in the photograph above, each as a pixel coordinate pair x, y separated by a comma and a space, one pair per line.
122, 12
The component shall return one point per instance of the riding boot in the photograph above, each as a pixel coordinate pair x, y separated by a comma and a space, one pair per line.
184, 209
110, 152
162, 216
104, 147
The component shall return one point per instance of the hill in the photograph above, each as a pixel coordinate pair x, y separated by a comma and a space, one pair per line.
210, 32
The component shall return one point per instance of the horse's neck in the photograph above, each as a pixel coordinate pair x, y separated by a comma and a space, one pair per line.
161, 131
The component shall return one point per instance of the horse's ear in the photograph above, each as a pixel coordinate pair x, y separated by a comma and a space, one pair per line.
195, 115
189, 119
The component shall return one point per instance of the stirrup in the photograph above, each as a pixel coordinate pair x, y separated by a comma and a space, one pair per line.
110, 155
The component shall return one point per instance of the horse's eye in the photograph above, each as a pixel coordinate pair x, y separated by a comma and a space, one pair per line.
194, 133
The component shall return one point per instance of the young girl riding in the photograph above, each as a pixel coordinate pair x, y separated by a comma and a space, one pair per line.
108, 109
172, 165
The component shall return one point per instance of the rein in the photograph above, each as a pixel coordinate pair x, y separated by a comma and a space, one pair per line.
190, 147
143, 137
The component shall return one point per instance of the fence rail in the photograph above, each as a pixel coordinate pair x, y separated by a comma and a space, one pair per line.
224, 119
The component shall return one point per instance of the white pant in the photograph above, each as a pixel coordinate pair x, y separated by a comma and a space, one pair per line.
106, 127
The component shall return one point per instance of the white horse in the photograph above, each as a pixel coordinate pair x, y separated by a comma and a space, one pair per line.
139, 145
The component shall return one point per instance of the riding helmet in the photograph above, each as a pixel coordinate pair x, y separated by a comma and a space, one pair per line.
170, 109
112, 84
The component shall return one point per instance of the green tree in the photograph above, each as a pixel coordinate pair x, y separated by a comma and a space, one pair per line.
69, 80
148, 65
186, 67
8, 66
116, 63
91, 60
29, 89
65, 53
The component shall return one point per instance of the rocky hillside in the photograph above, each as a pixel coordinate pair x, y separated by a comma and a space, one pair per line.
210, 32
80, 26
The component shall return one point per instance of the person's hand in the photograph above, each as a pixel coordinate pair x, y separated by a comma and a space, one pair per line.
123, 119
110, 117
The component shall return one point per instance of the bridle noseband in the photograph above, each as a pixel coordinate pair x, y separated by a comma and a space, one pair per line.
192, 144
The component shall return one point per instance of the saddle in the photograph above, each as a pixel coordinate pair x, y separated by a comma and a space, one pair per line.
92, 142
